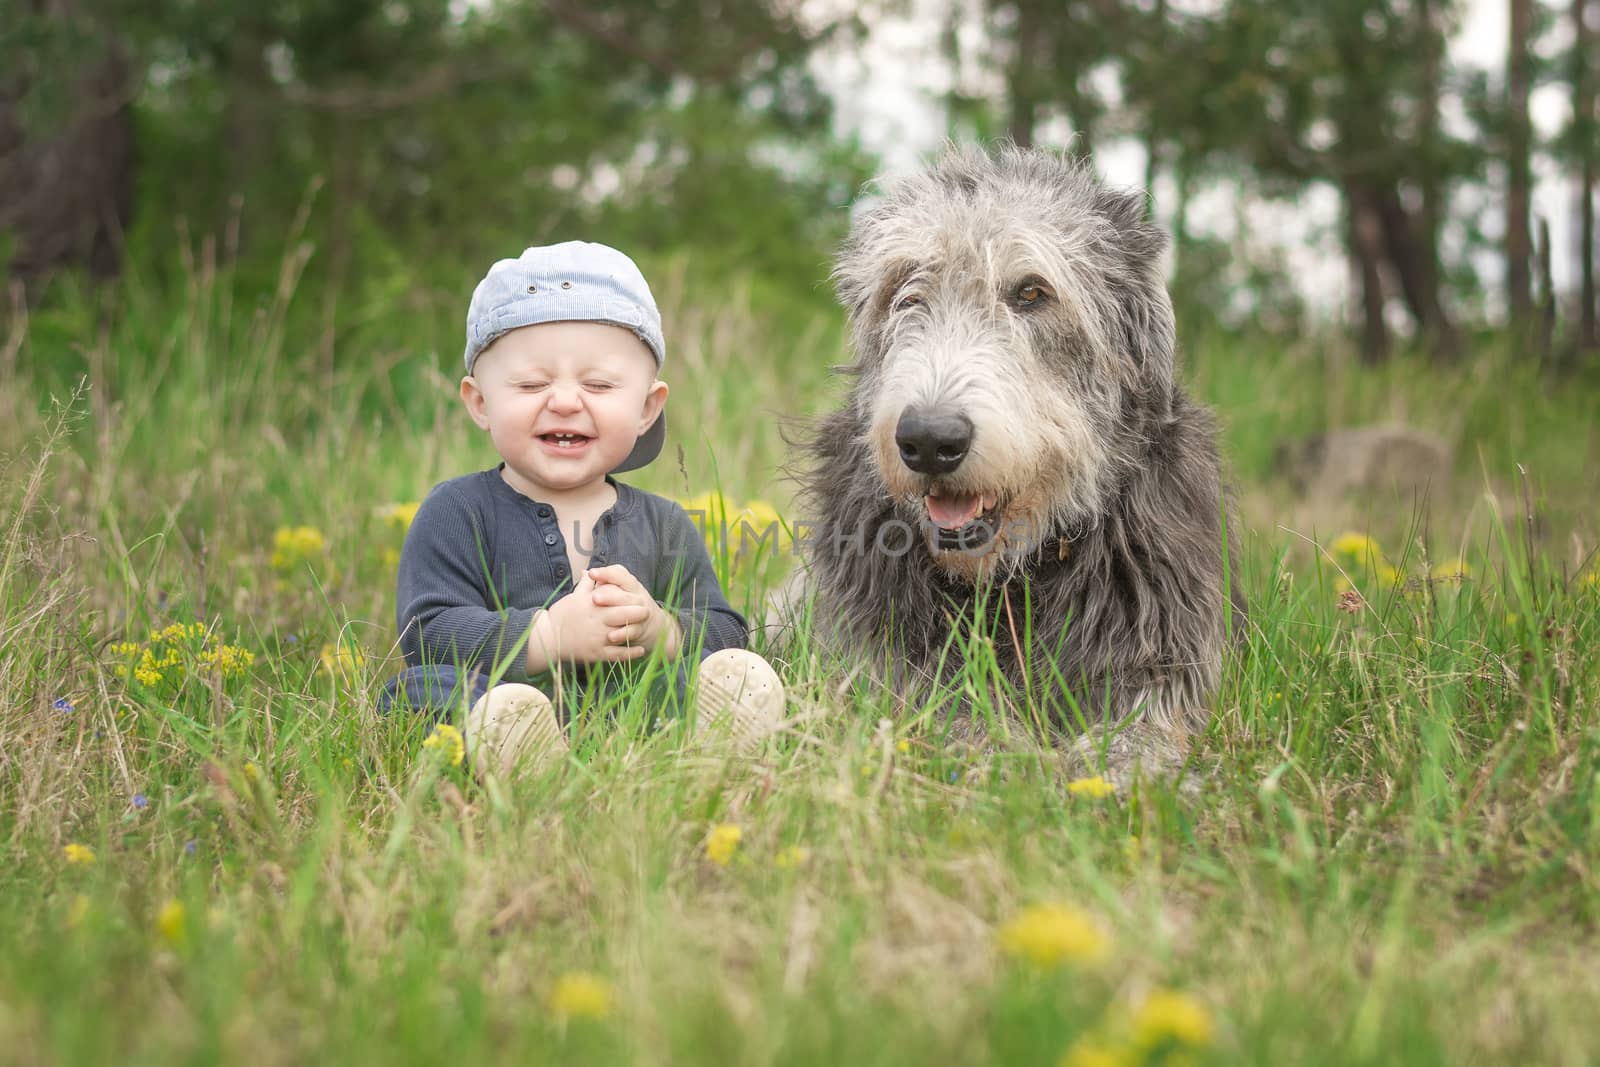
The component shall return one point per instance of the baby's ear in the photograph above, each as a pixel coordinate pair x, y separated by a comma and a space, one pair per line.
472, 397
654, 401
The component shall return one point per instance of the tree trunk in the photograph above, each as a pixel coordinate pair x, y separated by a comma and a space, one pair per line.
1365, 239
1585, 104
1418, 283
66, 184
1182, 179
1080, 113
246, 121
1518, 177
1152, 127
1022, 79
1428, 139
1545, 330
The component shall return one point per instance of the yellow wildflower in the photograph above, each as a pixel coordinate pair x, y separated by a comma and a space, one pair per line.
751, 532
178, 631
229, 660
793, 856
171, 923
126, 649
146, 675
757, 529
1096, 788
78, 855
391, 558
344, 660
400, 516
722, 842
294, 545
1390, 577
252, 772
902, 746
580, 995
448, 740
1050, 934
1089, 1052
1168, 1017
1358, 547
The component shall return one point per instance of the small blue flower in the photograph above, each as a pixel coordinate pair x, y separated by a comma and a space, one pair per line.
952, 776
141, 801
62, 704
189, 847
293, 639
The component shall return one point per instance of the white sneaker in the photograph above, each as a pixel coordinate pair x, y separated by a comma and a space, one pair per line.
738, 694
512, 725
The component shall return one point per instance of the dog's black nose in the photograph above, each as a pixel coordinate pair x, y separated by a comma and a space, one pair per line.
933, 441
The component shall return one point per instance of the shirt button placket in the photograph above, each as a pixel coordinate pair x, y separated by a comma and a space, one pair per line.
558, 566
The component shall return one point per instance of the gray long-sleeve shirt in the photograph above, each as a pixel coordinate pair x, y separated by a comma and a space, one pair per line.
480, 558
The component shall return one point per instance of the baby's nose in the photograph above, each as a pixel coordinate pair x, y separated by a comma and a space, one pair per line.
565, 397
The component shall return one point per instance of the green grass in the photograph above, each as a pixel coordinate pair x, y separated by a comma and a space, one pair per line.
1387, 849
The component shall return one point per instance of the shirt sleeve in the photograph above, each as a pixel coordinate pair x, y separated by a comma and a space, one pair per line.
446, 609
685, 583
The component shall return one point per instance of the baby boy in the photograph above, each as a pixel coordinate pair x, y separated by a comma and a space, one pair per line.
564, 344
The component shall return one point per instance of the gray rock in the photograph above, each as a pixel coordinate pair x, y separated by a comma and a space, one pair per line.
1389, 459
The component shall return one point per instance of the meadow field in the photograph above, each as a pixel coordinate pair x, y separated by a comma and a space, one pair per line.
1386, 849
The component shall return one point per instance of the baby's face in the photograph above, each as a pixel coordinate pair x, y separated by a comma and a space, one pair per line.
563, 402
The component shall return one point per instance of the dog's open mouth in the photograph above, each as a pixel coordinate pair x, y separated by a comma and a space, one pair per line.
962, 521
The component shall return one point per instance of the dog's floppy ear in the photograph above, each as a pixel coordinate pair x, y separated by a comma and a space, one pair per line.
868, 272
1127, 209
1138, 284
853, 276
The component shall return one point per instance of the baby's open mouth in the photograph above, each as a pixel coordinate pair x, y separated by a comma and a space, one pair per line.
564, 440
962, 520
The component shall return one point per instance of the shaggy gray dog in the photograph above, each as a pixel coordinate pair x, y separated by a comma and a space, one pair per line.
1016, 461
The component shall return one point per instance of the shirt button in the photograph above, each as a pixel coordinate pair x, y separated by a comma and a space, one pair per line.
550, 539
561, 572
544, 512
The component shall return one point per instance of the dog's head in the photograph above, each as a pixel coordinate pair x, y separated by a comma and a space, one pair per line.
1013, 338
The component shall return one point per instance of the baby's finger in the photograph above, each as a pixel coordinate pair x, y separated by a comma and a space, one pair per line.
609, 595
623, 614
621, 653
625, 635
612, 574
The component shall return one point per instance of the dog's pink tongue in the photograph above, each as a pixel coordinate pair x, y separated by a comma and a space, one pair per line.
953, 512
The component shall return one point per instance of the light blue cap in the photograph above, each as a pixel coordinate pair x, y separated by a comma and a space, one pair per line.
576, 281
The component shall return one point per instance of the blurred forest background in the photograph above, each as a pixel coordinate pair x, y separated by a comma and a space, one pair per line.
386, 150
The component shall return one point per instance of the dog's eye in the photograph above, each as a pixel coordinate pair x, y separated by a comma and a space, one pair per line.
910, 300
1029, 293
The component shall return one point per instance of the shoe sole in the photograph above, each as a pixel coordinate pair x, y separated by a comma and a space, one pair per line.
511, 726
740, 693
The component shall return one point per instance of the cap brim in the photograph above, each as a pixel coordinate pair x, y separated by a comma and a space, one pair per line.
647, 448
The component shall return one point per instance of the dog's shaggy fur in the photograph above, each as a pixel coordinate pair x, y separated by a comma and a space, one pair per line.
1015, 289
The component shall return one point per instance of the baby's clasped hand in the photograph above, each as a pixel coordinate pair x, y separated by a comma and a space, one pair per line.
609, 617
635, 617
575, 630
